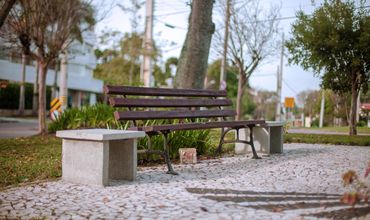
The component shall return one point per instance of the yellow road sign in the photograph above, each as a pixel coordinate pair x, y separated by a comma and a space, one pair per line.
55, 109
289, 102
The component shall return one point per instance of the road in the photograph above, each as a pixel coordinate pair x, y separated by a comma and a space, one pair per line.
15, 127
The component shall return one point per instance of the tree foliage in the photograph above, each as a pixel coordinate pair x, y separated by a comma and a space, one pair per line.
121, 61
44, 28
335, 43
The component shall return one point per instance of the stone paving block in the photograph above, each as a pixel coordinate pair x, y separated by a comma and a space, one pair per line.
188, 155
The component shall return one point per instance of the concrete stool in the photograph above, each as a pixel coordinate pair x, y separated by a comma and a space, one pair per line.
93, 156
267, 139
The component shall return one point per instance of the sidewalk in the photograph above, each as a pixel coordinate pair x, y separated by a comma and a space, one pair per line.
303, 183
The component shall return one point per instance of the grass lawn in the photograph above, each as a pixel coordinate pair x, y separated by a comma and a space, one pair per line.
359, 140
364, 130
29, 159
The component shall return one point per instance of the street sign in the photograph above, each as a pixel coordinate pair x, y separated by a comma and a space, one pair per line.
289, 102
55, 109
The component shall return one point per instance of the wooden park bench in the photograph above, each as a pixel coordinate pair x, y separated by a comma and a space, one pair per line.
143, 103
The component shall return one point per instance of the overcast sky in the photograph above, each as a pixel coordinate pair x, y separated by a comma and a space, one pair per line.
176, 12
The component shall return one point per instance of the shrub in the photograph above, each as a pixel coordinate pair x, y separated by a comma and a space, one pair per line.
360, 188
9, 96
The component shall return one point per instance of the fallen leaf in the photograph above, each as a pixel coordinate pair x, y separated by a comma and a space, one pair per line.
204, 209
277, 209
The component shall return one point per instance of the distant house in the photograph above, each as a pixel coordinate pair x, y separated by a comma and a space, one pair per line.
82, 86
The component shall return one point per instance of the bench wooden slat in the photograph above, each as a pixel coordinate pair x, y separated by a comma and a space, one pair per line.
128, 90
196, 126
124, 102
178, 114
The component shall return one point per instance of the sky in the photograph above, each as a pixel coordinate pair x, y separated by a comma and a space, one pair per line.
176, 12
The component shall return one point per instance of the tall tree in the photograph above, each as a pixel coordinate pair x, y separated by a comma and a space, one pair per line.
44, 28
252, 40
335, 43
6, 6
193, 60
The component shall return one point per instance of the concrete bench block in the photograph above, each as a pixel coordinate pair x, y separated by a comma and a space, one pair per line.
267, 139
93, 156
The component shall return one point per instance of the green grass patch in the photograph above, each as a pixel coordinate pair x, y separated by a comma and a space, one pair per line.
29, 159
364, 130
358, 140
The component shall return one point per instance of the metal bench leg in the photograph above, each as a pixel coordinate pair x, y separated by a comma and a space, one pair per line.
219, 148
167, 154
255, 156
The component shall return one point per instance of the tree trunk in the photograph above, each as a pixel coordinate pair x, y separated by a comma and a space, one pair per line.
35, 90
22, 87
239, 98
42, 97
193, 60
352, 120
5, 9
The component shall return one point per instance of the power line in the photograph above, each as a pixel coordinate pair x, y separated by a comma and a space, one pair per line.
170, 25
293, 90
263, 75
173, 13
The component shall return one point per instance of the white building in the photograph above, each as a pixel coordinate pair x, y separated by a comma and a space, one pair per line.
82, 87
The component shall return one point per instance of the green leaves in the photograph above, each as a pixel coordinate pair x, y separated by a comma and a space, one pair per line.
97, 116
334, 42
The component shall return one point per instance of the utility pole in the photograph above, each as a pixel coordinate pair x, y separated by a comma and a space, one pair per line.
279, 81
22, 86
63, 87
358, 107
278, 103
35, 90
322, 109
146, 65
223, 84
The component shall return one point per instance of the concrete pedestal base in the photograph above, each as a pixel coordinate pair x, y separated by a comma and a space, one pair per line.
267, 140
94, 156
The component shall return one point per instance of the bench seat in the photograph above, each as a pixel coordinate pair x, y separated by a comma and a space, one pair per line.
197, 126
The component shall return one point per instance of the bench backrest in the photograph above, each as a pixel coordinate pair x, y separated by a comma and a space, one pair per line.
161, 103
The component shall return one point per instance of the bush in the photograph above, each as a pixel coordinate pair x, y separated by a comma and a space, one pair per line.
96, 116
362, 123
315, 122
101, 116
9, 96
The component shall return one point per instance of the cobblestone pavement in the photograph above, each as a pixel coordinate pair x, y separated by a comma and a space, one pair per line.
302, 183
